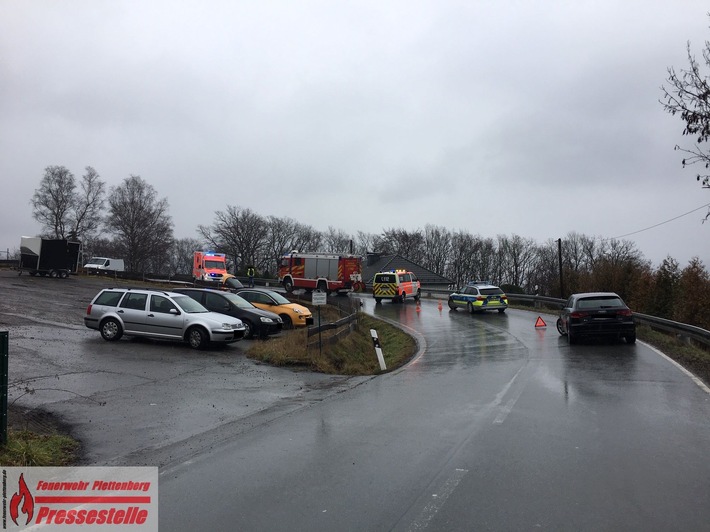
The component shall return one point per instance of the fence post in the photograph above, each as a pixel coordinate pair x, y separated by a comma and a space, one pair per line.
4, 335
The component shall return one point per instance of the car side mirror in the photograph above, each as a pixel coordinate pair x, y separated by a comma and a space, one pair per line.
174, 311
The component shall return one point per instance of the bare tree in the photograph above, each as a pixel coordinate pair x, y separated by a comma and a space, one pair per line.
437, 247
461, 263
65, 212
240, 233
86, 212
181, 255
142, 225
518, 255
364, 242
689, 96
52, 201
336, 241
408, 244
280, 235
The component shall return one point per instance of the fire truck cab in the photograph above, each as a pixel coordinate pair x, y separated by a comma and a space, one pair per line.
326, 272
209, 266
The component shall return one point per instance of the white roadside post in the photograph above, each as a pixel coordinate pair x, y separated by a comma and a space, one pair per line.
378, 349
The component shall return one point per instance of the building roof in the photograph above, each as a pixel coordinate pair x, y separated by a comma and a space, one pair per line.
377, 263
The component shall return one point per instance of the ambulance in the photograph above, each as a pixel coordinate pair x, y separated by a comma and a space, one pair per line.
397, 285
209, 266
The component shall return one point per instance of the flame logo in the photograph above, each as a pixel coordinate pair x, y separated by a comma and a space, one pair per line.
22, 497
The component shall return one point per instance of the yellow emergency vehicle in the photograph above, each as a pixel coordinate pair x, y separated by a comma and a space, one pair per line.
397, 285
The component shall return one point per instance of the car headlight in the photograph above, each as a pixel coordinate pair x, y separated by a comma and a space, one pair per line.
264, 319
298, 311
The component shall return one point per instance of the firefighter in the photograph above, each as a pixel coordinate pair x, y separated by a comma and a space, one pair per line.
250, 274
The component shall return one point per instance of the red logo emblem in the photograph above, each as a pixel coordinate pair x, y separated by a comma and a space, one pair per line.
22, 501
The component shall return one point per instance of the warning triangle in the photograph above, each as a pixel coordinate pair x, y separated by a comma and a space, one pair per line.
540, 322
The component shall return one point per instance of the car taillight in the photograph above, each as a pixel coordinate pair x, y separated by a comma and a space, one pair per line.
88, 310
625, 312
578, 314
480, 298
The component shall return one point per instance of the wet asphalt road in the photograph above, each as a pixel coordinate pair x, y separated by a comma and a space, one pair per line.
496, 425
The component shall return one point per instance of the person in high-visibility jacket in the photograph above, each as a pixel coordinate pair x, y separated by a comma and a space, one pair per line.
250, 274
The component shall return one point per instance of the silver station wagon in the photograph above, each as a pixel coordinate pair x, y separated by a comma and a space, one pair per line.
161, 315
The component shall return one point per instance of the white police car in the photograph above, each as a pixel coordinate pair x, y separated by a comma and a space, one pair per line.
479, 296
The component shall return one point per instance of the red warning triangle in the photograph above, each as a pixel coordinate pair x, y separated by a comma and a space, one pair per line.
540, 322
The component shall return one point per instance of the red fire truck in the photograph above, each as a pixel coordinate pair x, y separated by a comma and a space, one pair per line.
326, 272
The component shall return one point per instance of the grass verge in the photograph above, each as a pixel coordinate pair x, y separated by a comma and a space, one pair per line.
353, 354
28, 448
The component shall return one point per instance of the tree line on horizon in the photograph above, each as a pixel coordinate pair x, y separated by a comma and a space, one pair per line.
132, 222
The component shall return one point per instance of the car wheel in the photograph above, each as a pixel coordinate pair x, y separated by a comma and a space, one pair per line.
322, 287
469, 307
378, 300
53, 274
560, 329
288, 322
630, 338
288, 285
197, 337
111, 330
248, 330
63, 274
452, 306
501, 310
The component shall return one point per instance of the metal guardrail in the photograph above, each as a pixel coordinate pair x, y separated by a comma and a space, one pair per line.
681, 330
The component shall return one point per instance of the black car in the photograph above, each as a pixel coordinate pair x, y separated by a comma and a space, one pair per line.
258, 322
596, 314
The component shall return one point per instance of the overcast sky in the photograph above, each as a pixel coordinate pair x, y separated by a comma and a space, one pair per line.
495, 117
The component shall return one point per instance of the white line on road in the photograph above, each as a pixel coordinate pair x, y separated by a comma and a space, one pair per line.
438, 500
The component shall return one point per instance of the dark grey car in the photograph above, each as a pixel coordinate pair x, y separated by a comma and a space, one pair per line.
258, 322
596, 314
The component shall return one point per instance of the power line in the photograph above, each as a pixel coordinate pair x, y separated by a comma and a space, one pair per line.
651, 227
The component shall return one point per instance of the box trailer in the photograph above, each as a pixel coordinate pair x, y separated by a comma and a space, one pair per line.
49, 257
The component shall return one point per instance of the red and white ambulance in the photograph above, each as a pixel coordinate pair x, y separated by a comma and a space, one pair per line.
209, 266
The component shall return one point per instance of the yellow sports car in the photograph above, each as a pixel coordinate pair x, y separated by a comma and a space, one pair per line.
292, 314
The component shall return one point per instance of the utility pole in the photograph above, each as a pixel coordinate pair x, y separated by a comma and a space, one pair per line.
559, 258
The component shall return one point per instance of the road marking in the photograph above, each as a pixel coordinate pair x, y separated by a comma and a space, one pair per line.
438, 500
695, 379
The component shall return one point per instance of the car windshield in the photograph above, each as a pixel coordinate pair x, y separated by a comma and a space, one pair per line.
214, 264
278, 298
238, 301
189, 305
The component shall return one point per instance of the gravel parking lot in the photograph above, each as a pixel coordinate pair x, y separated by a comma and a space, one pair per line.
136, 402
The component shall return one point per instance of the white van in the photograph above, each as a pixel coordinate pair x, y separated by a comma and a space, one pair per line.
104, 263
